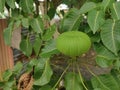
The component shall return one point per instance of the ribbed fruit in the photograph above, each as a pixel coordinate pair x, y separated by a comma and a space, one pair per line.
73, 43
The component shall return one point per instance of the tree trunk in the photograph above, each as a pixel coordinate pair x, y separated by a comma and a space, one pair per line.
6, 55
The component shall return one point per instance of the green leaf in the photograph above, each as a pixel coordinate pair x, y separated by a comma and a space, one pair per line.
32, 63
7, 74
105, 82
49, 49
106, 3
104, 57
46, 87
8, 33
88, 6
26, 47
46, 75
110, 35
95, 19
49, 33
25, 22
37, 24
27, 6
71, 21
2, 5
115, 10
73, 82
18, 67
39, 68
37, 45
11, 3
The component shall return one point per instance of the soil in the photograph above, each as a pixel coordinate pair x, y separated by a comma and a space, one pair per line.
86, 64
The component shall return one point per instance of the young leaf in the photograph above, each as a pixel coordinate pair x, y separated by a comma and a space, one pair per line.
115, 10
37, 45
104, 57
72, 82
27, 6
26, 47
95, 19
110, 35
88, 6
49, 33
46, 75
49, 49
105, 82
37, 24
2, 4
71, 21
11, 3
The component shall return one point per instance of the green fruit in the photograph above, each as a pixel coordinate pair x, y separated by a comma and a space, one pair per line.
73, 43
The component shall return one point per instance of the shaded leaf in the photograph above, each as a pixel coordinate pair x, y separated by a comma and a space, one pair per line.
71, 21
110, 35
72, 82
104, 57
95, 20
49, 49
115, 10
26, 47
46, 87
49, 33
27, 6
46, 75
88, 6
37, 24
2, 4
11, 3
105, 82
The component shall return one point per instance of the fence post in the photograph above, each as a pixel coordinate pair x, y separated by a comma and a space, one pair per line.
6, 54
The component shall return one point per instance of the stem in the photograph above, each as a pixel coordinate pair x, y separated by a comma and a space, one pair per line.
61, 77
81, 77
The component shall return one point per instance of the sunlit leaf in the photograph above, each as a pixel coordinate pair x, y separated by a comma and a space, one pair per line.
72, 82
18, 67
105, 82
110, 35
11, 3
106, 3
95, 19
7, 74
115, 10
26, 47
8, 33
46, 75
37, 24
71, 21
25, 22
37, 45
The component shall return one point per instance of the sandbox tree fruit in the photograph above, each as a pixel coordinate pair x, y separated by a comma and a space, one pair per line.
73, 43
